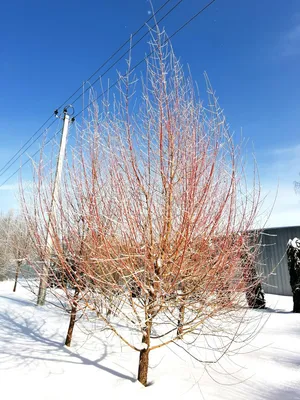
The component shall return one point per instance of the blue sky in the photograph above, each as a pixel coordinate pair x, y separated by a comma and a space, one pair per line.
250, 50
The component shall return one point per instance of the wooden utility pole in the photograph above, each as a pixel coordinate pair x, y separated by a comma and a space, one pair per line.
54, 201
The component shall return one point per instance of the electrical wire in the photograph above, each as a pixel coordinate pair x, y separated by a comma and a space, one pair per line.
148, 55
17, 155
116, 52
30, 158
118, 80
36, 132
127, 51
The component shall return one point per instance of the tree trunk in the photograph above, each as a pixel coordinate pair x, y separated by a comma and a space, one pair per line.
180, 320
43, 284
255, 296
17, 275
72, 318
254, 292
143, 366
144, 355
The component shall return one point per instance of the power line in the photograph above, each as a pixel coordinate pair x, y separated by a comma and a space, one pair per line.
32, 143
148, 55
17, 155
127, 51
191, 19
118, 80
29, 159
9, 161
116, 52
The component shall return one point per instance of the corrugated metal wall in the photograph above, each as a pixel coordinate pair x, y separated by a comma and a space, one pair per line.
273, 260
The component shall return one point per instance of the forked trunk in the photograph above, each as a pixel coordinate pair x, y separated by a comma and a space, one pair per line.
72, 318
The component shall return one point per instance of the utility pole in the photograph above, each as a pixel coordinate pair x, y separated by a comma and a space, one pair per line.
54, 202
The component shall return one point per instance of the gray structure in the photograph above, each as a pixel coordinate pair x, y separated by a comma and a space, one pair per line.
273, 260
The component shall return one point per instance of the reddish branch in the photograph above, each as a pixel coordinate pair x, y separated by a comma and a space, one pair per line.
155, 209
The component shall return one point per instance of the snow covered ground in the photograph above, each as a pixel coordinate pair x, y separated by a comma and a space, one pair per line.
34, 364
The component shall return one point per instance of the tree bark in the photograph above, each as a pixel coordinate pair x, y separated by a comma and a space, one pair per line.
255, 296
17, 275
43, 284
144, 355
72, 318
254, 292
180, 320
143, 366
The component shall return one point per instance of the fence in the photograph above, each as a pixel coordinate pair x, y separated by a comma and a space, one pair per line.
273, 260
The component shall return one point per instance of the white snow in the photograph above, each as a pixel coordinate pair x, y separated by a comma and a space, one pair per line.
35, 365
294, 243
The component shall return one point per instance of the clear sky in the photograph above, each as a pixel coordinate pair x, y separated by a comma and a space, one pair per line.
250, 50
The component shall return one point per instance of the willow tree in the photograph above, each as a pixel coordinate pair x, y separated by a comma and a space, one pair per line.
159, 182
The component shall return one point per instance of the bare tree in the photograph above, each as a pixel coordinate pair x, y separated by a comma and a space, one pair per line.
20, 245
15, 245
160, 187
5, 251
